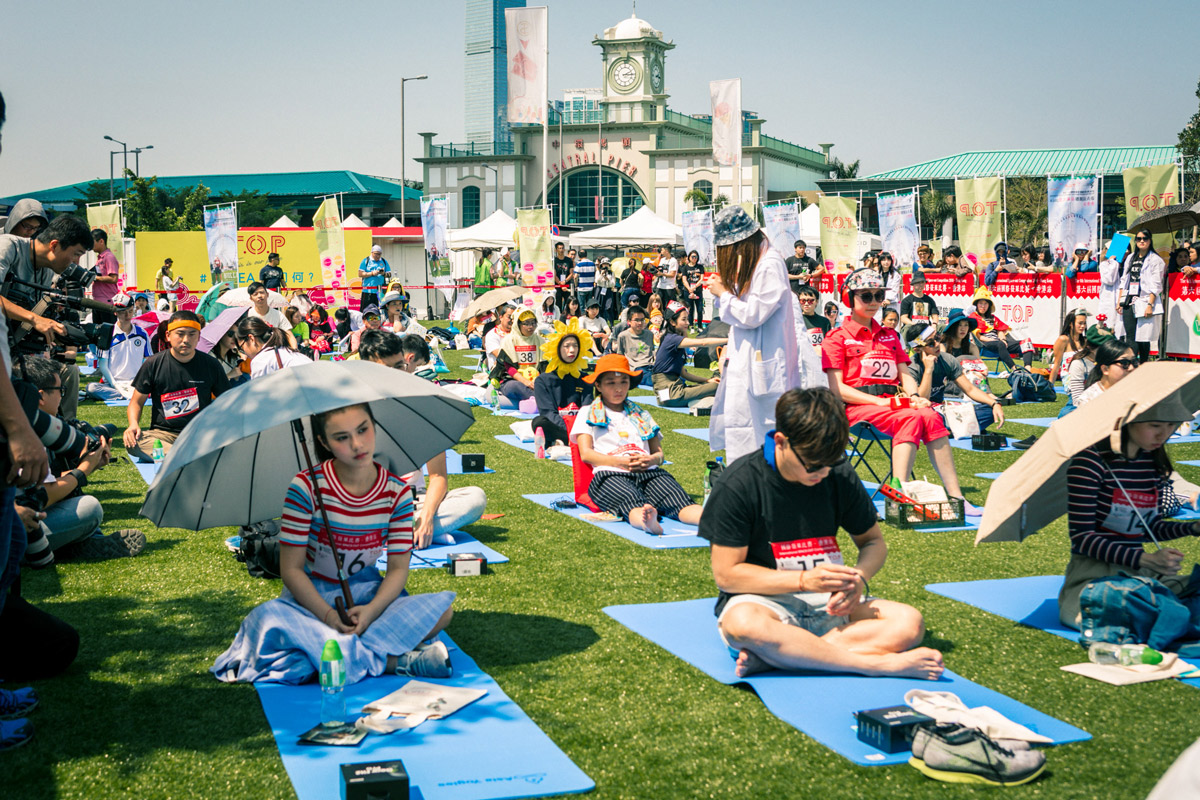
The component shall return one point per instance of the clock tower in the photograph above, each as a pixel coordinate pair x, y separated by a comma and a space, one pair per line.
634, 56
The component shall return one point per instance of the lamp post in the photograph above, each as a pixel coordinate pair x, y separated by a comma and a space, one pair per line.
497, 171
111, 153
125, 168
402, 184
137, 151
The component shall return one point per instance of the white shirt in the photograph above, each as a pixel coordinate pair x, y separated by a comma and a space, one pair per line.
127, 353
618, 439
491, 343
672, 265
274, 317
265, 362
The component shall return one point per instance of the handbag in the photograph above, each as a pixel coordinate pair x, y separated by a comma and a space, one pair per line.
961, 419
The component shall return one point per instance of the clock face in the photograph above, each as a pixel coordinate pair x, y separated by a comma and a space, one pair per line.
624, 75
656, 76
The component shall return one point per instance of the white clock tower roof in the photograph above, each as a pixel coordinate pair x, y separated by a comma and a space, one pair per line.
632, 28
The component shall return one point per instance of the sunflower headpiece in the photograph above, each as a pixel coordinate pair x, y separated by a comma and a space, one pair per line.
550, 348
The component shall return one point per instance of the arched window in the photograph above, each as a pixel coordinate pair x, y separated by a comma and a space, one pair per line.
470, 206
703, 186
619, 197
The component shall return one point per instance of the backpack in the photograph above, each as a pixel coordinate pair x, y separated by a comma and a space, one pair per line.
259, 549
1028, 387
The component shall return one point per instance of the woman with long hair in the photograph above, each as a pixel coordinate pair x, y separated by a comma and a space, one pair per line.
226, 351
1139, 296
266, 348
166, 287
1114, 360
1082, 365
754, 296
892, 282
1069, 342
572, 310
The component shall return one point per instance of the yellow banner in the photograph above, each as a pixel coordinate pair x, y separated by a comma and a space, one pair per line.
331, 247
537, 253
978, 205
839, 232
1149, 188
108, 219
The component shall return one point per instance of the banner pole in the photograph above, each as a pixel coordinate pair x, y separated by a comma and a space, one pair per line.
546, 123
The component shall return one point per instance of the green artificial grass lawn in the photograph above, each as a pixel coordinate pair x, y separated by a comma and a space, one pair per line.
138, 714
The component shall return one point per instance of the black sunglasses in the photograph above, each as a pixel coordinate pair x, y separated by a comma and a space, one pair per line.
1126, 363
817, 467
1141, 238
876, 297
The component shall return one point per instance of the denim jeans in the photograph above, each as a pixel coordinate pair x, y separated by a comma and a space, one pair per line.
72, 520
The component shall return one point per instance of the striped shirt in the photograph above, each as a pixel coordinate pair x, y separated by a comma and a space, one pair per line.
1115, 535
360, 523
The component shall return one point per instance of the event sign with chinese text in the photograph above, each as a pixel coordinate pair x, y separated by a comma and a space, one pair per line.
898, 227
839, 232
1072, 205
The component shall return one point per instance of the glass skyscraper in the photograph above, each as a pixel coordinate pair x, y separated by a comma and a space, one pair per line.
486, 73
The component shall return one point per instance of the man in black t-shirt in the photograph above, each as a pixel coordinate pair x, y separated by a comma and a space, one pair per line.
670, 374
180, 382
564, 272
802, 268
788, 601
817, 325
918, 310
272, 275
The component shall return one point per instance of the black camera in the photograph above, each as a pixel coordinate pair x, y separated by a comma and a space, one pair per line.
61, 303
60, 437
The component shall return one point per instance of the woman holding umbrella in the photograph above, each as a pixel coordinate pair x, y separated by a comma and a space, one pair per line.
352, 500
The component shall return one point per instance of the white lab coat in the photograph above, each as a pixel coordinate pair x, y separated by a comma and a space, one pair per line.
1110, 273
1154, 270
761, 359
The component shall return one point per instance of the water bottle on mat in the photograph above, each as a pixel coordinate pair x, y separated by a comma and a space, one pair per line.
333, 684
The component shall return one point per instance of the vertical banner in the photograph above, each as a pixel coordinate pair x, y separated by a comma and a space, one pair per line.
1183, 316
331, 250
107, 218
537, 254
525, 37
898, 227
698, 236
727, 123
1072, 205
221, 238
435, 216
1031, 304
782, 222
978, 206
839, 232
1148, 188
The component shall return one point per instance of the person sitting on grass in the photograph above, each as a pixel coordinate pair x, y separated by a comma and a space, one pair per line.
636, 342
939, 376
787, 599
670, 373
369, 509
863, 361
118, 365
561, 388
522, 347
597, 326
1070, 341
623, 444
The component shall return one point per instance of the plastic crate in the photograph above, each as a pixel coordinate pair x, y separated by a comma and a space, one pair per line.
917, 515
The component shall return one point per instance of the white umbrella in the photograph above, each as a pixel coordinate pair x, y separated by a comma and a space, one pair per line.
492, 299
240, 298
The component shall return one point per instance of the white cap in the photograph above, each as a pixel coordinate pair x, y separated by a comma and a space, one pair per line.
1083, 246
376, 249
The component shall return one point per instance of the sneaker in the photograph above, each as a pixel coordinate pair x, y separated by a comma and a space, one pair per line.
428, 660
957, 754
16, 703
122, 544
929, 731
38, 553
1025, 444
15, 733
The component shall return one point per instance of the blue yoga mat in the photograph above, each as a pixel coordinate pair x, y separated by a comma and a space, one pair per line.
528, 447
148, 471
989, 476
454, 465
509, 412
675, 533
695, 433
1030, 601
1190, 438
820, 705
123, 402
1039, 422
490, 749
965, 444
651, 401
434, 556
1189, 463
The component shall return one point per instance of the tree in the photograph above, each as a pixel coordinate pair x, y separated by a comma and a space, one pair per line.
697, 197
1028, 215
149, 207
936, 208
720, 201
1189, 148
843, 171
255, 210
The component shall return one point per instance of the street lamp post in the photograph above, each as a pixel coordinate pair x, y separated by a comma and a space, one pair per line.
137, 151
125, 157
402, 185
497, 171
111, 153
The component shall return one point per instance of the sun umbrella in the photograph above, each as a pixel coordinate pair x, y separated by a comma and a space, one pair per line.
1032, 493
1168, 219
216, 328
211, 304
241, 297
149, 321
234, 461
491, 299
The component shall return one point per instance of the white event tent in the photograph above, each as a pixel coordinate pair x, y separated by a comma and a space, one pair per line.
642, 227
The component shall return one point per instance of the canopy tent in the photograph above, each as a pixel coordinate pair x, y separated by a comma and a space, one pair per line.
353, 221
497, 231
284, 222
392, 223
642, 227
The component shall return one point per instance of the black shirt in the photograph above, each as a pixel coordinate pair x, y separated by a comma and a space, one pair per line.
562, 269
271, 277
946, 372
693, 273
818, 327
670, 357
179, 391
918, 309
798, 266
752, 505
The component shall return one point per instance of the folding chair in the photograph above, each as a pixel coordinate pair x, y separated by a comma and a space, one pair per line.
866, 432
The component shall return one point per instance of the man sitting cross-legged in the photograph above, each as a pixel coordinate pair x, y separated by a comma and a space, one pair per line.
787, 599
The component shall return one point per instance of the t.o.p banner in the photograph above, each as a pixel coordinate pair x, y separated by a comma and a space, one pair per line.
1183, 316
1031, 304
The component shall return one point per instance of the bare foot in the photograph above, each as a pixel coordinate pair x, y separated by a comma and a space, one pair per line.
920, 662
748, 664
646, 518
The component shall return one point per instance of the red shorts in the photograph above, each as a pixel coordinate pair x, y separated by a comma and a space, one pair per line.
904, 425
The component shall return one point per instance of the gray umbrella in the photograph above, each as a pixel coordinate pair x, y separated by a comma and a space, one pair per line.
234, 461
1168, 219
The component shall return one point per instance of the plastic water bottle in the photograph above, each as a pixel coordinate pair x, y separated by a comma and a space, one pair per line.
1123, 654
333, 684
157, 453
494, 397
539, 443
708, 471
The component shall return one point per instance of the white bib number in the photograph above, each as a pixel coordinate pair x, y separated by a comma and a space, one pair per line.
352, 560
879, 367
526, 354
180, 404
816, 336
1123, 517
806, 554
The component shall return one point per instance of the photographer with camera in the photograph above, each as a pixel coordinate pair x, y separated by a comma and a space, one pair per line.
71, 517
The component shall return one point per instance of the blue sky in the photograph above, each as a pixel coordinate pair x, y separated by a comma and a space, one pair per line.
269, 86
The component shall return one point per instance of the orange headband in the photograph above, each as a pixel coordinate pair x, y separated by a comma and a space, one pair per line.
182, 323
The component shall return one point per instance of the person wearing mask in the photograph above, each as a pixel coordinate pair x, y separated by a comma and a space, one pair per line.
373, 271
1140, 294
272, 275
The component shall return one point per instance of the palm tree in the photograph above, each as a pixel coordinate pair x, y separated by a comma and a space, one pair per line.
936, 208
844, 171
696, 197
720, 201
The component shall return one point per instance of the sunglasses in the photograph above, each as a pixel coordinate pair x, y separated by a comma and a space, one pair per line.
1141, 238
873, 297
807, 299
817, 467
1126, 363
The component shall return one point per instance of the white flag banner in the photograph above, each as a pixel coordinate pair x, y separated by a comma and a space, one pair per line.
898, 227
698, 236
782, 221
1072, 205
525, 37
726, 121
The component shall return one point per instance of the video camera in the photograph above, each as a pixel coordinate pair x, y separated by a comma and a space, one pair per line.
61, 303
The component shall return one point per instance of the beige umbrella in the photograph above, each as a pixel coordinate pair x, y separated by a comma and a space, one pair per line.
491, 299
1032, 493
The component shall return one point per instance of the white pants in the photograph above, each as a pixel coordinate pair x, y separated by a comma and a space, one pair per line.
459, 507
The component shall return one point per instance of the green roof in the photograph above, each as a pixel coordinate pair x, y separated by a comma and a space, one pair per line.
1028, 163
300, 188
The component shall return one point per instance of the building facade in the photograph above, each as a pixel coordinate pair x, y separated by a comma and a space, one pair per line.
486, 71
636, 151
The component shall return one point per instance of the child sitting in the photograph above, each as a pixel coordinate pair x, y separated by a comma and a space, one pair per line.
622, 443
561, 389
